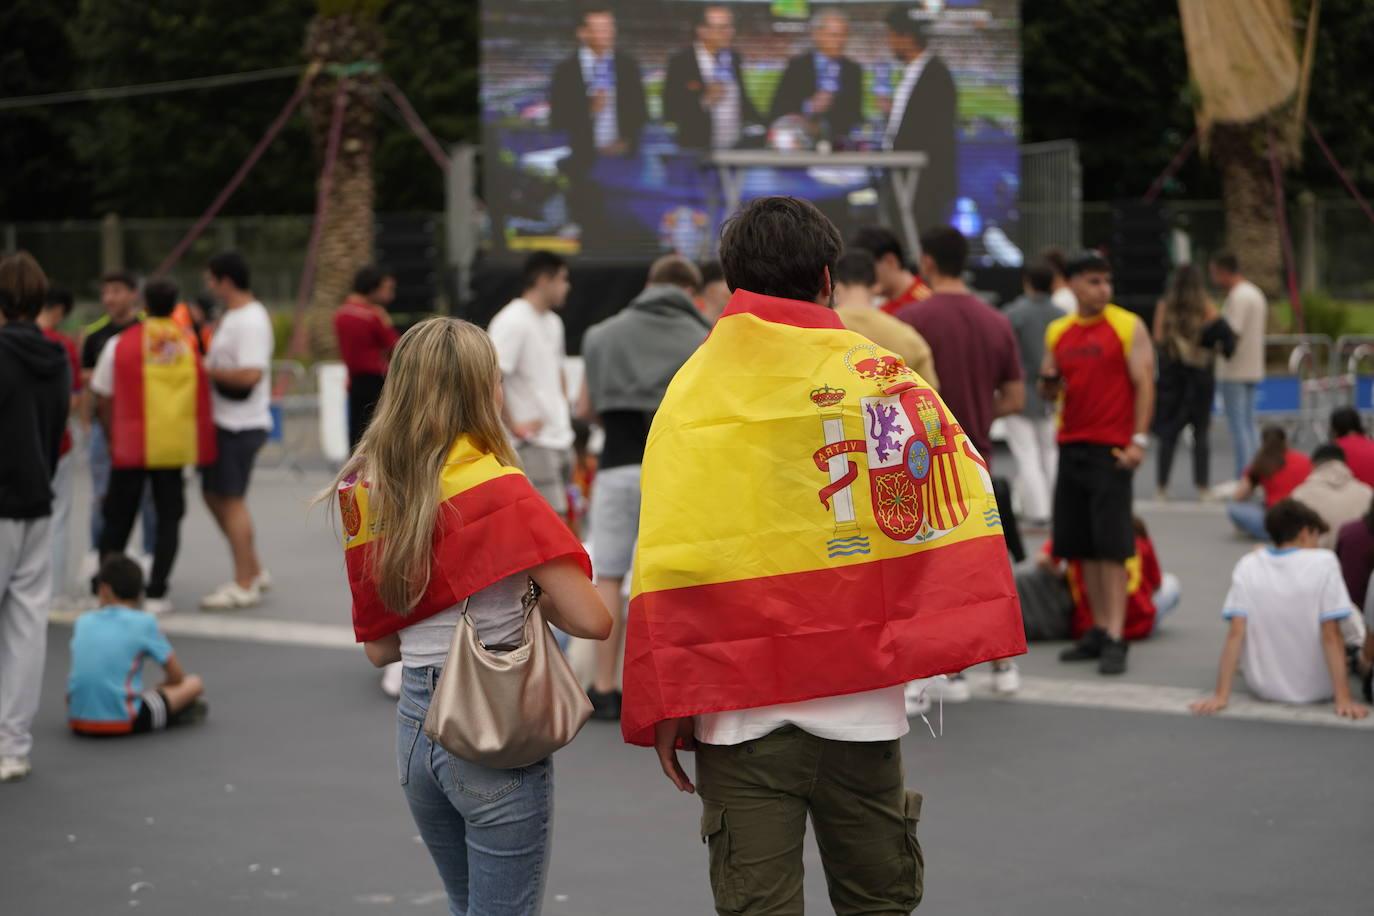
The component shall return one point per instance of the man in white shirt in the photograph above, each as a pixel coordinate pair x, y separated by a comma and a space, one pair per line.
239, 367
528, 335
1239, 375
1285, 609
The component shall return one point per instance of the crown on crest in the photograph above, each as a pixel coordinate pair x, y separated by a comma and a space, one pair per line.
825, 396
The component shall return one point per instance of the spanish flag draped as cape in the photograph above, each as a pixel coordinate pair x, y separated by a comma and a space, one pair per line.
161, 405
815, 523
492, 524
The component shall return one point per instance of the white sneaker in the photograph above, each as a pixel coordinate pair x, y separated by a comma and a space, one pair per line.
145, 563
1006, 681
230, 597
157, 606
391, 680
13, 769
90, 565
956, 690
917, 698
263, 581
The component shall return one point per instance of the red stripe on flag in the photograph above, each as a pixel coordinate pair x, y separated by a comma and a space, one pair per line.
128, 432
207, 445
821, 633
933, 497
959, 491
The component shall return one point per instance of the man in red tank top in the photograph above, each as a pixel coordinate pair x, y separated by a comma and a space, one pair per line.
1099, 363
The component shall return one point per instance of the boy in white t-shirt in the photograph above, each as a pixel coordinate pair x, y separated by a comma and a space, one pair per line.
1285, 610
239, 367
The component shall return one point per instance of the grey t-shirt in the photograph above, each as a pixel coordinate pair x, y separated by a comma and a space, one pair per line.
497, 613
1030, 315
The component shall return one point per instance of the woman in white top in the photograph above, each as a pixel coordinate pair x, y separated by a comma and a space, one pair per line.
447, 523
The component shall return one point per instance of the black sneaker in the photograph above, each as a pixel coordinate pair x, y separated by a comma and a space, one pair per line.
605, 706
1087, 648
1113, 660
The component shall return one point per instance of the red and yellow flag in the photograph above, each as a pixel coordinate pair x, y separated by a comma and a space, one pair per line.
815, 523
161, 404
492, 524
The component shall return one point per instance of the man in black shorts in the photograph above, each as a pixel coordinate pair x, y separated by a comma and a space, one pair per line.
1099, 362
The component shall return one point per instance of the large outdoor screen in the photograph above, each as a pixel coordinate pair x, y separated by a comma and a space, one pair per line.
602, 121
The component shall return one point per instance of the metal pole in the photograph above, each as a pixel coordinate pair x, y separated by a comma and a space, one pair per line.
1307, 252
461, 216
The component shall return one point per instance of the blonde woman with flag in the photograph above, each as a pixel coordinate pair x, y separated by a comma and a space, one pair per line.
439, 520
817, 531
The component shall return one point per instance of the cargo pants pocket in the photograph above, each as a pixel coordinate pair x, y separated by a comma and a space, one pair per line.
715, 833
911, 811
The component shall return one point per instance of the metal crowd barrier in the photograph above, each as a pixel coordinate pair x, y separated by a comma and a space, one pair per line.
290, 398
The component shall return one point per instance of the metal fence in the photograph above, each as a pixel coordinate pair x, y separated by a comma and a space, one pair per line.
1051, 196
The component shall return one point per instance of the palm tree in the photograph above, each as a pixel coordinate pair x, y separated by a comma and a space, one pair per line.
344, 44
1245, 80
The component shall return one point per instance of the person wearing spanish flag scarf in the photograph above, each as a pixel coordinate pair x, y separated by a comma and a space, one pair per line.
439, 521
154, 399
817, 530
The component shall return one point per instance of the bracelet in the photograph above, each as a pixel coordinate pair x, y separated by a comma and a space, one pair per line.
1141, 439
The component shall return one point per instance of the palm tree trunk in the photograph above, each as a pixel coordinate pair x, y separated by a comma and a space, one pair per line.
347, 46
1241, 153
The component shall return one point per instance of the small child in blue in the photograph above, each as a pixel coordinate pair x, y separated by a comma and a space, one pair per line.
105, 694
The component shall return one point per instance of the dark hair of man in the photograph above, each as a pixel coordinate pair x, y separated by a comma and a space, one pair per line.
1344, 421
1039, 275
230, 265
160, 296
1226, 261
879, 241
712, 272
1328, 452
1056, 258
123, 576
61, 298
24, 285
1087, 262
1289, 518
674, 270
904, 20
123, 277
856, 267
947, 247
707, 7
538, 265
368, 279
779, 246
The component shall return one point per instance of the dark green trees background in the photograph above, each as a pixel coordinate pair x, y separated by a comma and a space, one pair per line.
1109, 73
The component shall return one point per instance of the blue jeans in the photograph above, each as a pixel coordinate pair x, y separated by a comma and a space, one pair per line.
100, 482
488, 830
1249, 518
1238, 400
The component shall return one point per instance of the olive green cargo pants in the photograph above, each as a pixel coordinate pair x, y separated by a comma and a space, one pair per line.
755, 798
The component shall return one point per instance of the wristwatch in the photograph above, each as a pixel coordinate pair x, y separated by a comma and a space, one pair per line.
1141, 440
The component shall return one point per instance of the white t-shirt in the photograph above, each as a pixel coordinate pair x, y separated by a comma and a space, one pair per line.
877, 715
496, 612
1285, 596
102, 377
244, 340
1247, 312
1065, 300
529, 345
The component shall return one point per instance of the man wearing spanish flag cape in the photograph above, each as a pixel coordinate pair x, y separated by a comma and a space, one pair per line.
155, 401
816, 531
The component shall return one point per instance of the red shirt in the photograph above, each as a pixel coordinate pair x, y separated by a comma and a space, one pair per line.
1359, 455
75, 360
975, 344
365, 337
1281, 484
916, 292
1097, 400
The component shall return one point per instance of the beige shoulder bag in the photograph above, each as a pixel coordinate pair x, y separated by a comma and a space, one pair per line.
506, 709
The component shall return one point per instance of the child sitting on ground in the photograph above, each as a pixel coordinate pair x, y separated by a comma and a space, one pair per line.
105, 694
1285, 610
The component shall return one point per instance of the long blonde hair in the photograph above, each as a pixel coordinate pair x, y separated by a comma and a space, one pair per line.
442, 385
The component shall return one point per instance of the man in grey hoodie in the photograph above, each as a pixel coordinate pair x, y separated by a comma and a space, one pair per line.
630, 358
35, 388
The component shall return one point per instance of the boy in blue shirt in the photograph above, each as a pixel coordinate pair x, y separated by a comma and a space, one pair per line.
105, 694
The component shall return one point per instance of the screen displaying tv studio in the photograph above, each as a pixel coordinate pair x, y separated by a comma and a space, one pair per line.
609, 128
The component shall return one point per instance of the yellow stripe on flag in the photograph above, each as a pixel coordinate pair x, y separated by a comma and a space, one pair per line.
169, 395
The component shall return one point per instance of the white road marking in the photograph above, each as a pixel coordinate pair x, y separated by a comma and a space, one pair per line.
1096, 694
